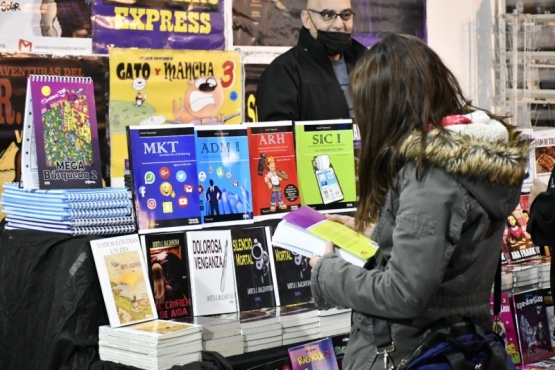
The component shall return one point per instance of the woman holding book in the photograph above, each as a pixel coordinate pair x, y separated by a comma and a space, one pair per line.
438, 177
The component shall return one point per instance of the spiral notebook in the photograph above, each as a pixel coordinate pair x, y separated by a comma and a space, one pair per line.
60, 148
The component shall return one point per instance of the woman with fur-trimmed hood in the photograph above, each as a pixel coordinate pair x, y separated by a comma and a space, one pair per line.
438, 178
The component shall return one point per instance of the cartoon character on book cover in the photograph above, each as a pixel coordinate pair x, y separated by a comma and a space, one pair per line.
273, 168
533, 326
314, 355
516, 239
504, 326
158, 87
129, 287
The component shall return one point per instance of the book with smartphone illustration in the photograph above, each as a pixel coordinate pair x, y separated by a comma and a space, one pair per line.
305, 231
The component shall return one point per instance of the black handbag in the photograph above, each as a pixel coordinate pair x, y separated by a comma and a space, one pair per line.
541, 222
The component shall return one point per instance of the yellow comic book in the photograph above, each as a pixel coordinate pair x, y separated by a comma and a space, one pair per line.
156, 87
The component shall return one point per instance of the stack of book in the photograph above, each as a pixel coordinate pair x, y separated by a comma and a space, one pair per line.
260, 328
155, 344
525, 276
544, 270
104, 211
299, 323
221, 335
334, 321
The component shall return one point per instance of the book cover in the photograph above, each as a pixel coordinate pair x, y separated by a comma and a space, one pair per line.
533, 326
212, 273
224, 174
291, 276
315, 355
14, 71
544, 153
279, 364
154, 86
306, 231
517, 241
548, 301
253, 275
164, 175
326, 164
340, 347
194, 25
169, 275
123, 277
505, 326
273, 168
61, 134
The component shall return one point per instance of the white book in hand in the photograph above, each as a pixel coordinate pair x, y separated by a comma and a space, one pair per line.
305, 231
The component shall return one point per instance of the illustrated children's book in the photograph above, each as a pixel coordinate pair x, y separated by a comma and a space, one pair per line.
306, 231
314, 355
224, 174
533, 326
164, 175
123, 276
326, 164
60, 147
505, 326
548, 301
170, 279
210, 255
517, 242
253, 272
155, 86
273, 168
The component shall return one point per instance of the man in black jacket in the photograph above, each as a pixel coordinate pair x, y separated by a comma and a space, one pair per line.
310, 81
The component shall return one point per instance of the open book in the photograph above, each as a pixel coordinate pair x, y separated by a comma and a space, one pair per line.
305, 231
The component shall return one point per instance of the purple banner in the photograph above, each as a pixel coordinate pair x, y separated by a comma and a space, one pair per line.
157, 24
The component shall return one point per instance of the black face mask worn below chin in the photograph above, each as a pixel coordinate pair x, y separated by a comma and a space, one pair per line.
334, 42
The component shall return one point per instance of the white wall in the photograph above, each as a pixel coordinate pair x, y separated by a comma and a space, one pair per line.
462, 33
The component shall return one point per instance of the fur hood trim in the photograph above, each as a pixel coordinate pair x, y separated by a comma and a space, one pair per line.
503, 161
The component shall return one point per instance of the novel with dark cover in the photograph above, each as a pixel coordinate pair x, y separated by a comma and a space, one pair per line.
164, 173
224, 174
253, 272
533, 326
273, 168
169, 275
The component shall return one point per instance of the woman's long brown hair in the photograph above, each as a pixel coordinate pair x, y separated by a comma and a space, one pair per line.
399, 86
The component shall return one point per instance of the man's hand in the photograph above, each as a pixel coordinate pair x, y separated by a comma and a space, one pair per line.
315, 258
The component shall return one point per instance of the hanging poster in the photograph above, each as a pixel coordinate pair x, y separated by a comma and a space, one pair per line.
158, 24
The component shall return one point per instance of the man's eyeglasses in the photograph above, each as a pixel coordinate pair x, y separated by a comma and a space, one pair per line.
329, 15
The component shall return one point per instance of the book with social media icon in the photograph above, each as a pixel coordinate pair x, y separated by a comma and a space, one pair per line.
163, 168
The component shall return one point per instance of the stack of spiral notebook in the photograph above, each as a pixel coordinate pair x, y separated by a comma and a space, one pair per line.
105, 211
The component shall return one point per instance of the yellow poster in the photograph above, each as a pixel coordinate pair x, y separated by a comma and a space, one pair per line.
155, 87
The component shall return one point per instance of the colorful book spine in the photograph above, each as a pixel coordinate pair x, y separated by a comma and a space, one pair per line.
224, 174
273, 169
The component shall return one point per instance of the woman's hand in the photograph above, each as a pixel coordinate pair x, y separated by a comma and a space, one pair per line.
349, 222
315, 258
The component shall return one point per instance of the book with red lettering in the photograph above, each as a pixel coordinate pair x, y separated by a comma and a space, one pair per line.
275, 186
210, 257
314, 355
169, 275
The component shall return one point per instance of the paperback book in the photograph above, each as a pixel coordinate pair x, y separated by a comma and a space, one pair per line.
314, 355
253, 274
306, 231
170, 279
326, 164
504, 325
60, 147
273, 168
155, 332
210, 256
533, 326
224, 174
123, 277
163, 169
291, 275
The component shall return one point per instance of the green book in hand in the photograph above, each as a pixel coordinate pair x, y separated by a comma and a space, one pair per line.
305, 231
